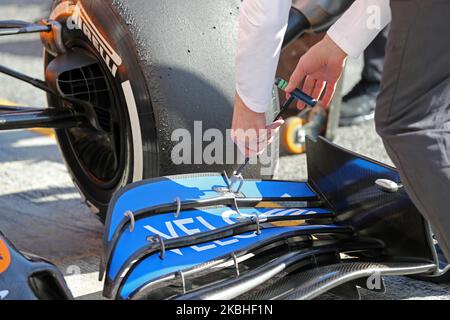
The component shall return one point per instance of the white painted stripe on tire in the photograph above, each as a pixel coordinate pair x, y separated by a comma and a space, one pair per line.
138, 167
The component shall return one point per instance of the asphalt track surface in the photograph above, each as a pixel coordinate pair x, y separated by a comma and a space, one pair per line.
41, 211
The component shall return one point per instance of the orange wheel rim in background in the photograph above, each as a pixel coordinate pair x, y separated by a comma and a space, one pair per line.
5, 257
288, 135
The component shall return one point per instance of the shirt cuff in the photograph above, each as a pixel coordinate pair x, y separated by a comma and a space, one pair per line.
359, 25
255, 106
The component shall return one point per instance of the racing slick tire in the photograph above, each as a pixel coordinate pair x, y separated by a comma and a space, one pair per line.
164, 76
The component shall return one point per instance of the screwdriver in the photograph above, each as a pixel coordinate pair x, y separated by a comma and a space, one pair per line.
296, 94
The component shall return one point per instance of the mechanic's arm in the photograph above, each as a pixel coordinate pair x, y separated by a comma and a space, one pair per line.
321, 67
262, 25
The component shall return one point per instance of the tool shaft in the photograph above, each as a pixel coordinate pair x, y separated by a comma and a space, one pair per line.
297, 94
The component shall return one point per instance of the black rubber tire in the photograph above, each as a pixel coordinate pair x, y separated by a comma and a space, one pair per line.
178, 57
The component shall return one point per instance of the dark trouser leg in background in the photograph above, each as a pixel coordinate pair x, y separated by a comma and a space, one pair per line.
413, 108
359, 104
374, 58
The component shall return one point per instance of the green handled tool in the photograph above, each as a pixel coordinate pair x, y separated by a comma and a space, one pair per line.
296, 94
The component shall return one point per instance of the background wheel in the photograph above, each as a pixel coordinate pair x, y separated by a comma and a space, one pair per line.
292, 135
162, 66
295, 129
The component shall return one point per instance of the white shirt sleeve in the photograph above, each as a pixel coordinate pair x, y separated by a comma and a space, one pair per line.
262, 26
359, 25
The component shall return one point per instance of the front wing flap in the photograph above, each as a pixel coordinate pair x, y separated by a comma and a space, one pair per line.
187, 237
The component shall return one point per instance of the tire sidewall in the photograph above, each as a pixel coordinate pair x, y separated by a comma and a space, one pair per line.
130, 84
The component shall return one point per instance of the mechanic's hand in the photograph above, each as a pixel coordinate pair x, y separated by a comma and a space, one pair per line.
319, 69
249, 130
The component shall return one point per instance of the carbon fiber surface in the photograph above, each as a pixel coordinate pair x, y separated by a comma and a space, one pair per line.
347, 181
314, 282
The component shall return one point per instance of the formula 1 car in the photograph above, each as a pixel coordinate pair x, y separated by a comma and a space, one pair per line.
28, 277
204, 237
200, 236
119, 86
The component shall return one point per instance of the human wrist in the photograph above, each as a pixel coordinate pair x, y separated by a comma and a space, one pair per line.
244, 109
334, 48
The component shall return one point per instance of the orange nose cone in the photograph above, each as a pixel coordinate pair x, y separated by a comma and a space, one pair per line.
5, 257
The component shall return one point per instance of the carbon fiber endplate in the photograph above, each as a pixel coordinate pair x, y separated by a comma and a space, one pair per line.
312, 283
